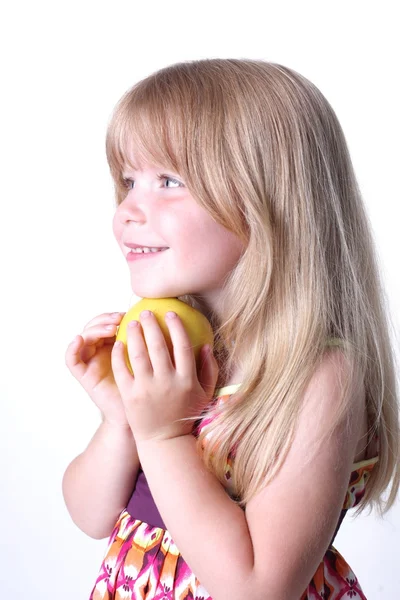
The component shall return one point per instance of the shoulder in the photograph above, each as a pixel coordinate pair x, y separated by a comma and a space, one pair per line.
326, 424
323, 392
293, 519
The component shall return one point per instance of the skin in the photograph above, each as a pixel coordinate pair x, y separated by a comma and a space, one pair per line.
237, 553
162, 212
259, 552
157, 211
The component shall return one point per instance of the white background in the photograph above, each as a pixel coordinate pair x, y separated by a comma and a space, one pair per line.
64, 65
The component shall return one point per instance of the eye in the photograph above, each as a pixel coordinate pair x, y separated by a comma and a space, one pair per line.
128, 183
170, 182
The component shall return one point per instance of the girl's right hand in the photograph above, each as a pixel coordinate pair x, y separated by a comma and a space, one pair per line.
88, 357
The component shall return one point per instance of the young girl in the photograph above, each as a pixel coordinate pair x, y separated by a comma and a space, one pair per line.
230, 481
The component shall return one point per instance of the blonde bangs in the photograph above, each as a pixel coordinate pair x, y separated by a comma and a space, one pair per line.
182, 123
138, 134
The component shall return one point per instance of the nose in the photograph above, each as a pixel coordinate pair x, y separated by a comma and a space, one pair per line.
133, 208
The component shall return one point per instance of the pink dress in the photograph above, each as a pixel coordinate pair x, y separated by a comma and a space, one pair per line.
142, 561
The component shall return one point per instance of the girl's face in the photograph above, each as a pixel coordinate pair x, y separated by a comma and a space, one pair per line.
196, 253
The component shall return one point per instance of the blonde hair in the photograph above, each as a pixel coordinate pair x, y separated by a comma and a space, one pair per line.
262, 150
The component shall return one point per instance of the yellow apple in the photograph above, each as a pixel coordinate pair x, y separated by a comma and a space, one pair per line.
196, 324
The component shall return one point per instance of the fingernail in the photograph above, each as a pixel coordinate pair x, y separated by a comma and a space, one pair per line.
170, 315
145, 313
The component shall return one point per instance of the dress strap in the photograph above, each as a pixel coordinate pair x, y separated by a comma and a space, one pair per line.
227, 390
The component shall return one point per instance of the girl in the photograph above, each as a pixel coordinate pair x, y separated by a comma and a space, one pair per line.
230, 481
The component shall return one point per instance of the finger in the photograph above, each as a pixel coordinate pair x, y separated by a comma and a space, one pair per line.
94, 334
109, 341
122, 375
157, 348
73, 357
89, 351
185, 361
137, 350
104, 318
208, 370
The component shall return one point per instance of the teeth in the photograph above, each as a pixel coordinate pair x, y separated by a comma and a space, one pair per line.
146, 250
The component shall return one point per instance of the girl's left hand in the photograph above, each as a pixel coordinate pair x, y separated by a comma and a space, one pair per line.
160, 394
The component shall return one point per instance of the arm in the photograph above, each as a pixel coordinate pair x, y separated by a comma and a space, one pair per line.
99, 482
270, 551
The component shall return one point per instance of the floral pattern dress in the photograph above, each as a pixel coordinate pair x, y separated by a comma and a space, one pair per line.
142, 561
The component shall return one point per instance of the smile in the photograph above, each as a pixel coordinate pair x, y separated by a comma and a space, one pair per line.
143, 253
145, 250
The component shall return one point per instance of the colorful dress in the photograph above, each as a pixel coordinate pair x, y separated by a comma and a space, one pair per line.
142, 561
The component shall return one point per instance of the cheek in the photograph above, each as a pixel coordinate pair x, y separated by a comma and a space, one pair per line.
221, 240
117, 227
213, 245
229, 249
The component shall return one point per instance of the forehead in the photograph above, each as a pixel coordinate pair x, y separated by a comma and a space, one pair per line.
138, 155
132, 161
139, 164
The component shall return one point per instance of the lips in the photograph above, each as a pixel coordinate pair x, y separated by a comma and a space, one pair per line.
129, 245
132, 256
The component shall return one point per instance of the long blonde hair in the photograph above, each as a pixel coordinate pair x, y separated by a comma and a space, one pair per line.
261, 149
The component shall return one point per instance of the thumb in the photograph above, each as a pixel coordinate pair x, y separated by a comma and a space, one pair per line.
208, 370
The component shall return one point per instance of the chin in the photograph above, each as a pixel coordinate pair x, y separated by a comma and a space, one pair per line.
155, 293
